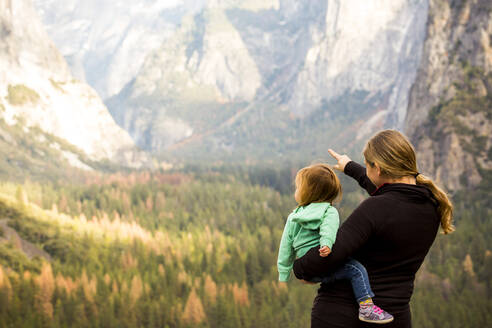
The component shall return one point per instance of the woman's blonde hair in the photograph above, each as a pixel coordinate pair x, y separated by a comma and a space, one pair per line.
395, 155
317, 183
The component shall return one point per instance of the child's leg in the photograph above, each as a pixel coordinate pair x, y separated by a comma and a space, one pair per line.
357, 274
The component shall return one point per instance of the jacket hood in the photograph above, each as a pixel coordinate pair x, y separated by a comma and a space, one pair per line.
310, 216
415, 193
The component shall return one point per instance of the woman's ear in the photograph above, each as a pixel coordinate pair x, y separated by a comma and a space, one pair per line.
378, 169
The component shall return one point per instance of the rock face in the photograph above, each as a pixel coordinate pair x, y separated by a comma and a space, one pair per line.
37, 89
295, 57
106, 42
449, 114
362, 45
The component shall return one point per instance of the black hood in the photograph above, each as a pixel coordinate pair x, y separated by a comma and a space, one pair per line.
415, 193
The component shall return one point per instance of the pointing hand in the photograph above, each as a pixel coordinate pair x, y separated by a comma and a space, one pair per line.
341, 159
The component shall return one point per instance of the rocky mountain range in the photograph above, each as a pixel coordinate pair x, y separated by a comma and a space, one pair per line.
261, 62
38, 92
263, 80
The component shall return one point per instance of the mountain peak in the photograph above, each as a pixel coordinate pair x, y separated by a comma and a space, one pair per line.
38, 89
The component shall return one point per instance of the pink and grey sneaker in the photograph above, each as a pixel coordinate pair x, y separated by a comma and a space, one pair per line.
374, 314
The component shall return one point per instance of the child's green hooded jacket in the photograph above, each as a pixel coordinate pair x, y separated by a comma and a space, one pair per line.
306, 227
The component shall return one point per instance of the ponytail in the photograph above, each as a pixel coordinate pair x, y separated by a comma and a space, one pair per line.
444, 208
395, 155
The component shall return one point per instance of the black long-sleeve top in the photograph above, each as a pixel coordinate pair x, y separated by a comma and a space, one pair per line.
390, 233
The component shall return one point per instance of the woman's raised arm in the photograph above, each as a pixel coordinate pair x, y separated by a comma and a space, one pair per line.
358, 172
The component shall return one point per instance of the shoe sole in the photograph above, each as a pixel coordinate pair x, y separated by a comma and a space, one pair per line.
377, 322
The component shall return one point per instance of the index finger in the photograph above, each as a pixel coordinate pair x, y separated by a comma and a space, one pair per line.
334, 154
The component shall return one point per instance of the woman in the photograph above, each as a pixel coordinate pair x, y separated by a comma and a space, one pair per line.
389, 233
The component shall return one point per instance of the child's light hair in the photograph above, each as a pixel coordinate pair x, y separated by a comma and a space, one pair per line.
396, 158
317, 183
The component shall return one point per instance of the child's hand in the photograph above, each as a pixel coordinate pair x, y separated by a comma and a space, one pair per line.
324, 251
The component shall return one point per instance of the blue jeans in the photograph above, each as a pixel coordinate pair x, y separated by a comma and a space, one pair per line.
355, 272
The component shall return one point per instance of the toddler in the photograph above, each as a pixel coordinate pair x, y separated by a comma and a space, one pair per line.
315, 223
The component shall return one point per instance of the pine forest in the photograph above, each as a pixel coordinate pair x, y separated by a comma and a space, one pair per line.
198, 248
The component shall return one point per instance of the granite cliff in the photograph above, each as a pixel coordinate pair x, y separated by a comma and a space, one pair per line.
37, 90
450, 109
284, 63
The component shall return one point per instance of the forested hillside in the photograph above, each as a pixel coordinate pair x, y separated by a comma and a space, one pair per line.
197, 248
